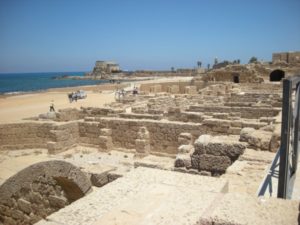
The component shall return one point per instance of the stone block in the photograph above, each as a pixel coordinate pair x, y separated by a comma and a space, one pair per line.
35, 197
17, 214
105, 132
234, 130
105, 143
220, 115
143, 133
57, 202
99, 180
195, 161
185, 139
258, 139
214, 163
156, 88
142, 146
200, 144
183, 160
236, 123
232, 150
24, 206
185, 149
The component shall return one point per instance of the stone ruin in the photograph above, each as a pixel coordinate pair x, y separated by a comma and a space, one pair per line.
204, 127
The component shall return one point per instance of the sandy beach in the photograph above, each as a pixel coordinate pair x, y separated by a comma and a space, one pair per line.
17, 107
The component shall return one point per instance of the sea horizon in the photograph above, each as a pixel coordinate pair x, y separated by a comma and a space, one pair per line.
15, 83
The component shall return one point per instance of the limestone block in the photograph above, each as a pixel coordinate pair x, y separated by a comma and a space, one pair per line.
142, 146
24, 205
258, 139
183, 160
214, 163
156, 88
143, 133
56, 201
270, 128
200, 144
52, 147
232, 150
99, 180
185, 139
35, 197
185, 149
105, 143
17, 214
245, 133
190, 90
174, 89
220, 115
234, 130
105, 132
236, 123
195, 161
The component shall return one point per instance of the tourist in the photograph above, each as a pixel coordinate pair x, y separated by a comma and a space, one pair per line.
52, 107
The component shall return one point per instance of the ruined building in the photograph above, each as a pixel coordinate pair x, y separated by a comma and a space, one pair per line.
288, 57
103, 69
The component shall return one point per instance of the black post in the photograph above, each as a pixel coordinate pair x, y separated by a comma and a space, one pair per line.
285, 137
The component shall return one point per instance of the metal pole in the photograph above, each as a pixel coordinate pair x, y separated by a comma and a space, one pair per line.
285, 137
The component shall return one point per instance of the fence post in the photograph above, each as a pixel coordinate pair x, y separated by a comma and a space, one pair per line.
285, 137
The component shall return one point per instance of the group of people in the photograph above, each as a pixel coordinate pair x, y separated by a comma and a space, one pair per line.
73, 96
121, 93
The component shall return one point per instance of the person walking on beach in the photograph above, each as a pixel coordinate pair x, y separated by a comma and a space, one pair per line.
52, 107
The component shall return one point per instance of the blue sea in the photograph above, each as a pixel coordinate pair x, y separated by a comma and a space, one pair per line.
25, 82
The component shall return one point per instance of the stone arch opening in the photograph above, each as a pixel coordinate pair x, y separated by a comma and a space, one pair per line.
39, 190
236, 79
277, 75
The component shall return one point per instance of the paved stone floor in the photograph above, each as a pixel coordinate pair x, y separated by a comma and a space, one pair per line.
153, 196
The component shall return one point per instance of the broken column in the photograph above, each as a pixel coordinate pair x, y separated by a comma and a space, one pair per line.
142, 143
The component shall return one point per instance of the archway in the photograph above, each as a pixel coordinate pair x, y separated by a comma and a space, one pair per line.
41, 189
277, 75
236, 79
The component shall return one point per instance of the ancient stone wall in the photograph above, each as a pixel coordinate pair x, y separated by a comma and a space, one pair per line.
39, 190
89, 133
246, 112
163, 134
164, 86
215, 154
25, 135
64, 136
69, 114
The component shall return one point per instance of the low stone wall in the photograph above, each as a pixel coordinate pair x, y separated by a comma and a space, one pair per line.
69, 114
164, 87
89, 133
39, 190
56, 137
246, 112
163, 134
63, 137
25, 135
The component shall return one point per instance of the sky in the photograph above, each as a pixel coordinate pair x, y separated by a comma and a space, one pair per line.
70, 35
